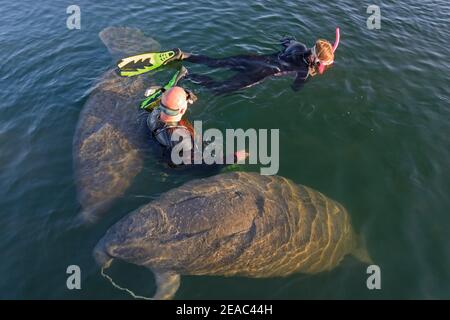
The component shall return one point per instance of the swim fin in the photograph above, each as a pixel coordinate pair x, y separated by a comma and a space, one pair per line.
142, 63
153, 100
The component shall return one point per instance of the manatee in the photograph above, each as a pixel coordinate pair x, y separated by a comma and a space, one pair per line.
109, 139
232, 224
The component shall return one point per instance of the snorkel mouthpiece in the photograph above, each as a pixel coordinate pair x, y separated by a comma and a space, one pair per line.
335, 45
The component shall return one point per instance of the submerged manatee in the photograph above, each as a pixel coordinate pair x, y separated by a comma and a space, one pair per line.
109, 139
233, 224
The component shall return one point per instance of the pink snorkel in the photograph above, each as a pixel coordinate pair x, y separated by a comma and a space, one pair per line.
336, 41
335, 45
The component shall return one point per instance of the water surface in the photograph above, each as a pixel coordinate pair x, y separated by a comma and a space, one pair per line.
372, 133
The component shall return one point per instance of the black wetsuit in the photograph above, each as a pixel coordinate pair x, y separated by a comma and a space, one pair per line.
162, 132
252, 69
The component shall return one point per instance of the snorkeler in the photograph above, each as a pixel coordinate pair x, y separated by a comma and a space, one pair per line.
295, 58
166, 120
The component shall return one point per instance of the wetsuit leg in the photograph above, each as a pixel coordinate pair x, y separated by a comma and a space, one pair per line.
202, 80
239, 63
251, 69
237, 82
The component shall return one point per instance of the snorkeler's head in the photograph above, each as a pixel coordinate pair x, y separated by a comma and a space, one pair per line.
323, 54
173, 104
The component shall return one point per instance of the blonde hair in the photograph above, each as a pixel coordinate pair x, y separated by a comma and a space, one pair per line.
324, 50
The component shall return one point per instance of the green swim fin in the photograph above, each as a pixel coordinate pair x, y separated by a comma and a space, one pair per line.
152, 101
142, 63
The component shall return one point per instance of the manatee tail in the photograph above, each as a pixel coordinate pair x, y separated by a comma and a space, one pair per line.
360, 251
124, 41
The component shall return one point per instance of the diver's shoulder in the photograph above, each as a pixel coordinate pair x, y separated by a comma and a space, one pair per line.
297, 46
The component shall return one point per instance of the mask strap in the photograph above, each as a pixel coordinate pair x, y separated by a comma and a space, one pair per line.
169, 112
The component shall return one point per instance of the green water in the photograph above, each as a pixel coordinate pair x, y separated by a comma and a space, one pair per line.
373, 133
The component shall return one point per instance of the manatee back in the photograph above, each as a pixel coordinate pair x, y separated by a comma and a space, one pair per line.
301, 230
235, 224
110, 133
198, 225
288, 228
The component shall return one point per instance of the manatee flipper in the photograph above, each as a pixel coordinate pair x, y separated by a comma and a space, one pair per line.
360, 252
167, 285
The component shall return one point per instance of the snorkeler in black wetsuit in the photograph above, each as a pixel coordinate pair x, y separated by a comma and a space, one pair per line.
166, 122
252, 69
295, 58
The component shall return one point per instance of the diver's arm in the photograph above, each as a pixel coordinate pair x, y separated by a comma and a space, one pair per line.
295, 47
184, 142
295, 55
299, 82
236, 157
189, 158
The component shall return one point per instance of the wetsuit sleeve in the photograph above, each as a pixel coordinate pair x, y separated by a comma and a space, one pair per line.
295, 54
294, 48
299, 81
214, 168
223, 157
185, 149
185, 143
